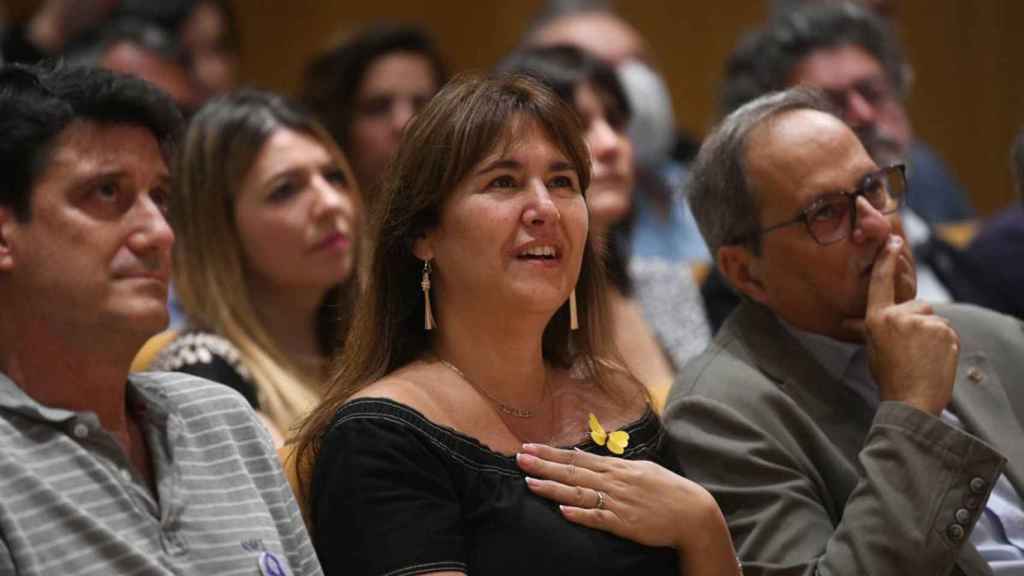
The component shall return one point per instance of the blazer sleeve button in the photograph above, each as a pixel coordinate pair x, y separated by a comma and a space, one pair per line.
955, 532
978, 485
963, 516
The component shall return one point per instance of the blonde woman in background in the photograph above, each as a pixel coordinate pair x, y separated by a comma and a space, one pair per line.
266, 214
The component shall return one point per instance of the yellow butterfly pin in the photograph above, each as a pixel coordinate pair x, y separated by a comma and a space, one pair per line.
616, 441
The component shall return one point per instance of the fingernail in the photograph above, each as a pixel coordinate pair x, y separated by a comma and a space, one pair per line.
524, 458
527, 447
531, 481
895, 241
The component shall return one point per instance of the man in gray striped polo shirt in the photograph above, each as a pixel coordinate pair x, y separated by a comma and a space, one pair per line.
102, 472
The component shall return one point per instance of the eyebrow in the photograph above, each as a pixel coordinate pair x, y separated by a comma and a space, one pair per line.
861, 183
510, 164
163, 177
286, 174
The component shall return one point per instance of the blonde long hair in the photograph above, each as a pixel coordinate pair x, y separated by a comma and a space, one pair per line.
218, 150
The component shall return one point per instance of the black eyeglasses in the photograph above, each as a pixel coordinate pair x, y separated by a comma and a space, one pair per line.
833, 217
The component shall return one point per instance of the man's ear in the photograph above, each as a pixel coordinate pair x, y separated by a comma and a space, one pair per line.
7, 224
743, 271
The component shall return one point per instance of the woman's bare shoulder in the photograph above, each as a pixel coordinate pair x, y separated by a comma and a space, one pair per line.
417, 385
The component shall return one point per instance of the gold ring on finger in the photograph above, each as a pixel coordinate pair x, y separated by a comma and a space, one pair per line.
600, 500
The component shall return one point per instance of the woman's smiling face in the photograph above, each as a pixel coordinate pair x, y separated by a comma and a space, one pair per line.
512, 234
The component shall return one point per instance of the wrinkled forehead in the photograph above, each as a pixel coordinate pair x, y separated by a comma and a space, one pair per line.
108, 141
86, 150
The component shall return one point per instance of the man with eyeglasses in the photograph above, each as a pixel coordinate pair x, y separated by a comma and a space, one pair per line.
856, 60
843, 426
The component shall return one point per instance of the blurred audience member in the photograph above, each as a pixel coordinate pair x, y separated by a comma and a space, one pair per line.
855, 57
267, 218
102, 471
201, 37
366, 89
52, 27
663, 227
207, 33
657, 317
463, 369
885, 8
999, 247
140, 48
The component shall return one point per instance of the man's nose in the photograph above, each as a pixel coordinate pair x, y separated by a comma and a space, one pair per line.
857, 110
871, 223
152, 232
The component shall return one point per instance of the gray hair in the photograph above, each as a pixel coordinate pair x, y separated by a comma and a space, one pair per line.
722, 197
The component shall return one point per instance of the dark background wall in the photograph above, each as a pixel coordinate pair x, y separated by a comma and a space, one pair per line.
967, 55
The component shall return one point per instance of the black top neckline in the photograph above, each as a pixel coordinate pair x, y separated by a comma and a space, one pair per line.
644, 432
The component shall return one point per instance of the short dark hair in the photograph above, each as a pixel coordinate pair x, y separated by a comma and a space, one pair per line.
564, 69
333, 79
38, 102
763, 61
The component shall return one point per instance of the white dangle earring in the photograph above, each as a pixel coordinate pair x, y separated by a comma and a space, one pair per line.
428, 315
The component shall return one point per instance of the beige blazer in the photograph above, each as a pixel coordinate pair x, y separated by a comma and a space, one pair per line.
812, 480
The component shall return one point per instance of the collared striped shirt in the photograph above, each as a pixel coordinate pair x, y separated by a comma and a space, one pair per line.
70, 503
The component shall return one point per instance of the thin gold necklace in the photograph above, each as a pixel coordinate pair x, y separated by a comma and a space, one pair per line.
504, 408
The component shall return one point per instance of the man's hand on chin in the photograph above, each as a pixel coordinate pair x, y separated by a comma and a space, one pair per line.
912, 353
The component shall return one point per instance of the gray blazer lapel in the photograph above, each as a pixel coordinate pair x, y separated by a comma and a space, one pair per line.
841, 413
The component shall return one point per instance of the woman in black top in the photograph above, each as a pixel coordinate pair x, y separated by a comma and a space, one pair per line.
432, 450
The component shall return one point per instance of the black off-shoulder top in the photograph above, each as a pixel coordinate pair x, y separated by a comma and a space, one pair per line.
395, 494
